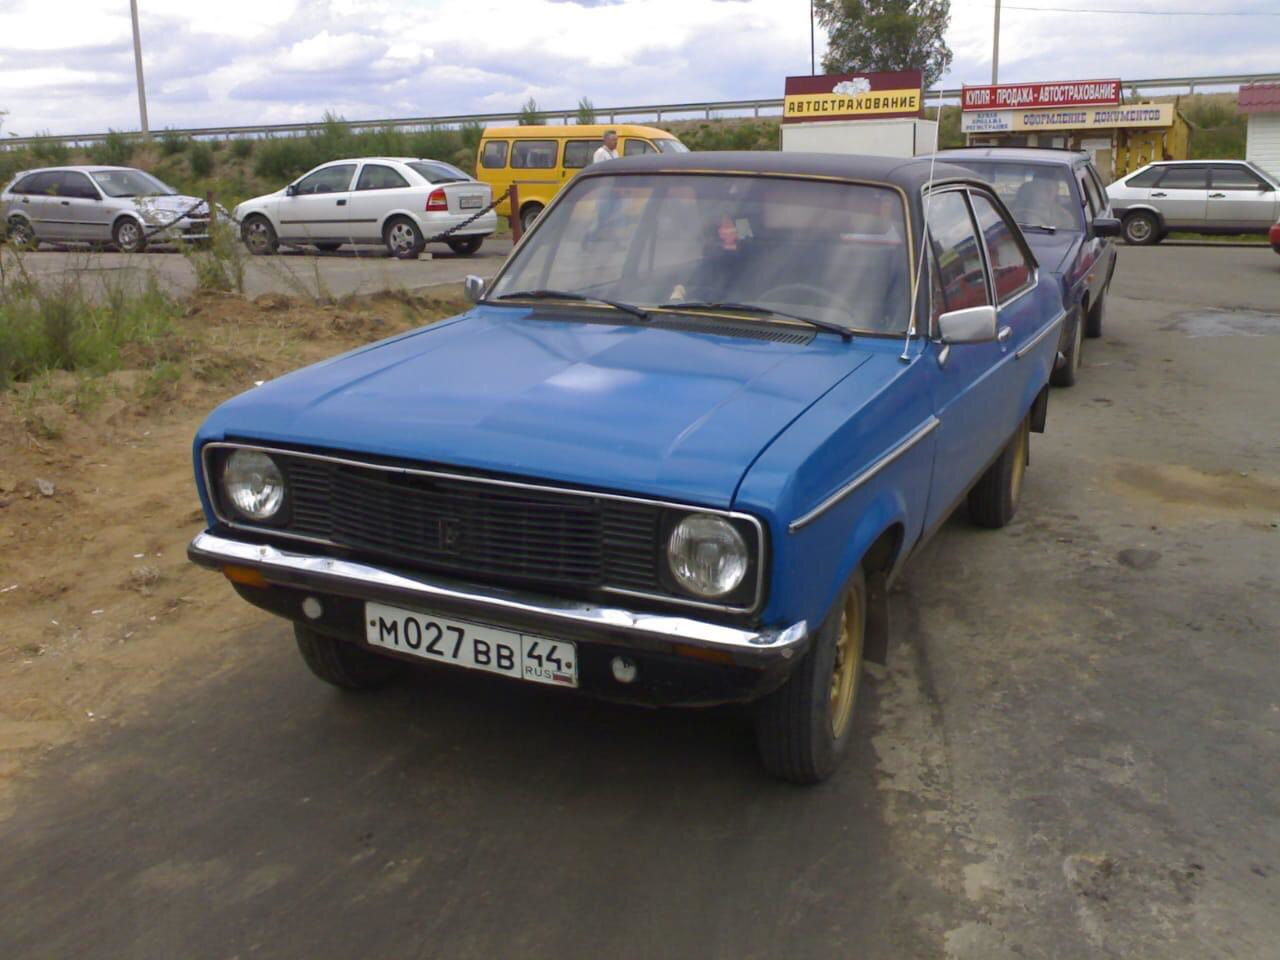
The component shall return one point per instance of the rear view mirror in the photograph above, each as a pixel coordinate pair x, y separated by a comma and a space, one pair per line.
971, 325
473, 288
1106, 227
291, 190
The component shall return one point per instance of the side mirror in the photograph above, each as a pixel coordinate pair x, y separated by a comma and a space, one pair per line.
291, 190
473, 288
1106, 227
971, 325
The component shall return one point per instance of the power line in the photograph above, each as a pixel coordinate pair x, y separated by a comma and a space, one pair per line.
1150, 13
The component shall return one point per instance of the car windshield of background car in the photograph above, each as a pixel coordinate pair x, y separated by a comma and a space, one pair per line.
834, 252
434, 171
670, 145
131, 183
1037, 194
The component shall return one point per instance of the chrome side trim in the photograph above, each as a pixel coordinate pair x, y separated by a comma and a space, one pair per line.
230, 522
1035, 341
916, 435
213, 551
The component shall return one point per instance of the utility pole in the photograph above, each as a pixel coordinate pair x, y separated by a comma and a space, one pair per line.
995, 48
813, 63
137, 62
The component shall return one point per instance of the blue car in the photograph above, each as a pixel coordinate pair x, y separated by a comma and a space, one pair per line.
674, 454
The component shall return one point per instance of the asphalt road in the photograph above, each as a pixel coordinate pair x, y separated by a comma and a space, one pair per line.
295, 271
1072, 754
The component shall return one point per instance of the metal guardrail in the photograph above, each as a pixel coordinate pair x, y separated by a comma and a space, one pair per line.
658, 112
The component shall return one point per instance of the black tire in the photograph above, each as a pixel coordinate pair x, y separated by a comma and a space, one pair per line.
803, 727
341, 663
1065, 375
1141, 229
129, 236
403, 238
465, 246
528, 214
21, 235
994, 499
1093, 319
327, 247
259, 235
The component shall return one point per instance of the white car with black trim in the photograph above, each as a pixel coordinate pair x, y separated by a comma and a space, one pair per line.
401, 202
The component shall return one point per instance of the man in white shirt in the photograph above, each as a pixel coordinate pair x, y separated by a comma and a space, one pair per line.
610, 149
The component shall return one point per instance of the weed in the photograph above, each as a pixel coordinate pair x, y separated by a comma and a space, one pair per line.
50, 152
172, 143
242, 148
200, 156
219, 262
116, 150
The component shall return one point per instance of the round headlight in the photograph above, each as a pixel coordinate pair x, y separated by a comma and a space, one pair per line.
254, 484
707, 556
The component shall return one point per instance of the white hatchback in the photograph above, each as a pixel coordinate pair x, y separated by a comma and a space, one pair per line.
402, 202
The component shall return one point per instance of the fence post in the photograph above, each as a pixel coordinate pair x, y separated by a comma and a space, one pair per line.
514, 218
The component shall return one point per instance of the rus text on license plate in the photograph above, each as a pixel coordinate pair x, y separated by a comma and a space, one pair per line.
471, 201
472, 645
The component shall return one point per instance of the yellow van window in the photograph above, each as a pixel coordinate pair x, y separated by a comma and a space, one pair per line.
495, 154
533, 155
577, 153
635, 148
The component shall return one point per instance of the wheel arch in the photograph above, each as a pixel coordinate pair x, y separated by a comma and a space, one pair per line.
1143, 208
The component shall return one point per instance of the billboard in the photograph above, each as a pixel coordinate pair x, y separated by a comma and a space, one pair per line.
1067, 93
853, 96
1081, 118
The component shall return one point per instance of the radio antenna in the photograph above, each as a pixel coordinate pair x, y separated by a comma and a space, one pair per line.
924, 237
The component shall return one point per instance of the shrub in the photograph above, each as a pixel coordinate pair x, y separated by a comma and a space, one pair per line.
529, 115
279, 159
242, 148
114, 151
172, 143
435, 144
50, 153
201, 158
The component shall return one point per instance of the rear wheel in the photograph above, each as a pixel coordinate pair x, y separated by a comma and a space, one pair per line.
403, 238
128, 237
21, 235
343, 664
802, 728
994, 500
1065, 375
528, 214
259, 236
465, 246
1141, 228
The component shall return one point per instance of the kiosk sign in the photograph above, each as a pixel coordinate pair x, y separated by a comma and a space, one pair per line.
1072, 93
853, 96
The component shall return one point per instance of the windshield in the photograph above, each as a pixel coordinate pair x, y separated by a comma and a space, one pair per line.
434, 171
131, 183
670, 145
833, 252
1037, 194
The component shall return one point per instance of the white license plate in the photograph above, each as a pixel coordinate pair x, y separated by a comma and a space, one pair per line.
471, 202
472, 645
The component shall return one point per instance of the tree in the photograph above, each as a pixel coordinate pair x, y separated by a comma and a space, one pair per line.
586, 111
866, 35
529, 115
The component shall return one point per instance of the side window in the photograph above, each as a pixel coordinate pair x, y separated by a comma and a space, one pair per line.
957, 252
1234, 177
77, 185
1184, 177
1146, 178
1100, 189
494, 156
375, 176
577, 153
1092, 195
533, 155
32, 183
1010, 269
329, 180
636, 148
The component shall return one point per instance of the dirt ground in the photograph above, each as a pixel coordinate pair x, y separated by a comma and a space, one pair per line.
98, 602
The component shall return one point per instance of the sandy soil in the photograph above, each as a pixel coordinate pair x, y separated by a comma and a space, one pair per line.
97, 506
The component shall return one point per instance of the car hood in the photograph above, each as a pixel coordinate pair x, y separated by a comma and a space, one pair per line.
563, 397
1053, 249
167, 204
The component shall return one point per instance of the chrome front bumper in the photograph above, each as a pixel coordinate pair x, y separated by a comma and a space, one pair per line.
610, 624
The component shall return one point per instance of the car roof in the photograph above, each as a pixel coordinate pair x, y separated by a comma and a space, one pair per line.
78, 167
575, 131
1045, 155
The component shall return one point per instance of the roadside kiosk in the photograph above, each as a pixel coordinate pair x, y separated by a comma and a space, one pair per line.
881, 114
1076, 115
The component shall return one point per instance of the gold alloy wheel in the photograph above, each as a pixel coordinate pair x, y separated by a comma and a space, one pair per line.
1019, 463
847, 669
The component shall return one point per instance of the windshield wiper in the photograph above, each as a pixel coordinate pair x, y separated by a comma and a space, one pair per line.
1038, 226
566, 295
845, 332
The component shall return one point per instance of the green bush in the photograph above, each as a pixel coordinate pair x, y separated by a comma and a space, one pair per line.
172, 143
200, 157
280, 159
1219, 132
13, 162
50, 153
242, 148
114, 151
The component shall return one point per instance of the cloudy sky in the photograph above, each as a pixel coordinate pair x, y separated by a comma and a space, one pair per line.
66, 66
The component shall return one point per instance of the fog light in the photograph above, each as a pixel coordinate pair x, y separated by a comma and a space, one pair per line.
313, 608
624, 669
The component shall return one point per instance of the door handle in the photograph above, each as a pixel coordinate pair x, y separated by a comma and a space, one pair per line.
66, 203
342, 203
1004, 334
1216, 196
1159, 195
26, 199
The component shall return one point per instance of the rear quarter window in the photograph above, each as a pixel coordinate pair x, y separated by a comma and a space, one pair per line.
1144, 178
533, 155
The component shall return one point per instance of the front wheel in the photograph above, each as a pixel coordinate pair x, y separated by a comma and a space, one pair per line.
259, 236
994, 499
465, 246
802, 728
403, 239
341, 663
1141, 229
128, 236
1065, 375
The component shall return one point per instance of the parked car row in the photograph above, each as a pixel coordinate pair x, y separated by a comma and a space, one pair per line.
681, 445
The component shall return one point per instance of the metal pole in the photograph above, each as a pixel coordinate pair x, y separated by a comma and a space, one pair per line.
813, 63
995, 48
137, 62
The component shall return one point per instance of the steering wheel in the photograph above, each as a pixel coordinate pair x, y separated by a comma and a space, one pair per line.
784, 291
